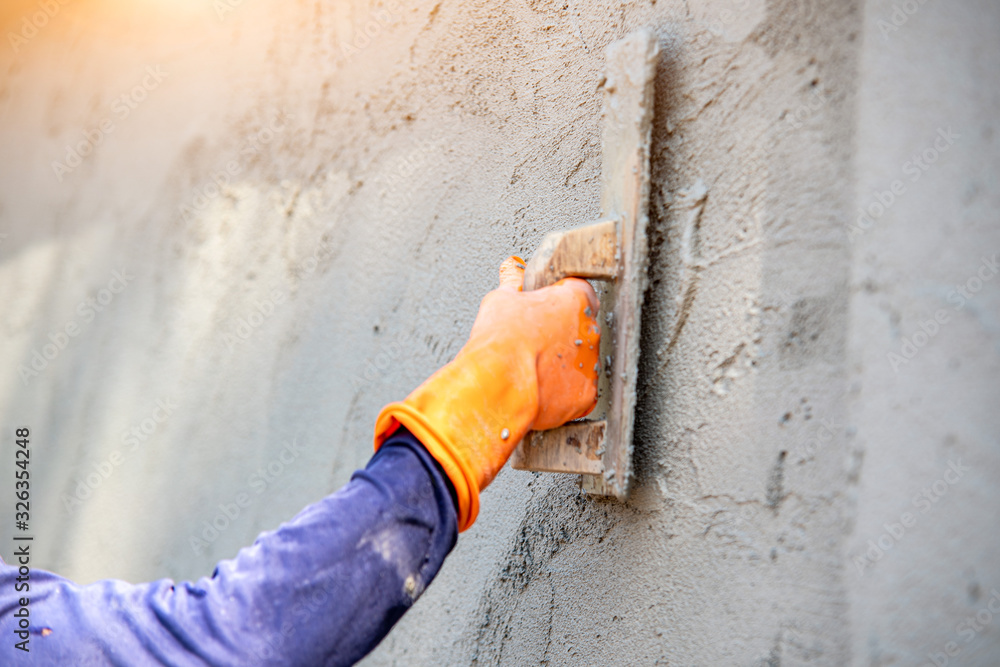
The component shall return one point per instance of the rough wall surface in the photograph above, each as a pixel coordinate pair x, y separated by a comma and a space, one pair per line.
923, 562
304, 217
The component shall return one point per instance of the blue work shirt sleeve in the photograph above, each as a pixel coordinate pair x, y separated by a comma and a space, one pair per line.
322, 589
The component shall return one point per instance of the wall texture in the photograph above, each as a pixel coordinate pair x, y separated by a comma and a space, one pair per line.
263, 221
924, 425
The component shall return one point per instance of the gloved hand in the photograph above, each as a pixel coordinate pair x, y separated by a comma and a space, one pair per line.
531, 362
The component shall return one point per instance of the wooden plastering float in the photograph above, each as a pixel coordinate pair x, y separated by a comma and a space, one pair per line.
612, 250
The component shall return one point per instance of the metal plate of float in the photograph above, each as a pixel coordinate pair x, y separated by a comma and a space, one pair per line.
613, 250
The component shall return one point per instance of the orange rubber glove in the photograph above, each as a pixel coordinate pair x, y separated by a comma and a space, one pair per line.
531, 362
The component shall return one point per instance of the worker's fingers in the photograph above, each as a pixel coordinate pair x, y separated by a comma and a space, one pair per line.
512, 273
583, 288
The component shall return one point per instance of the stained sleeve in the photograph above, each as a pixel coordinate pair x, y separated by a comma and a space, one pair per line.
322, 589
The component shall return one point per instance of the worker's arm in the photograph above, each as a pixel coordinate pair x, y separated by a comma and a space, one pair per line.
326, 587
323, 589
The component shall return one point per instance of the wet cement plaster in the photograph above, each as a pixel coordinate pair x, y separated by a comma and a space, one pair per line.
305, 201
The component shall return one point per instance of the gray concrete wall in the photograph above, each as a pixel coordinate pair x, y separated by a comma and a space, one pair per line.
306, 216
924, 427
